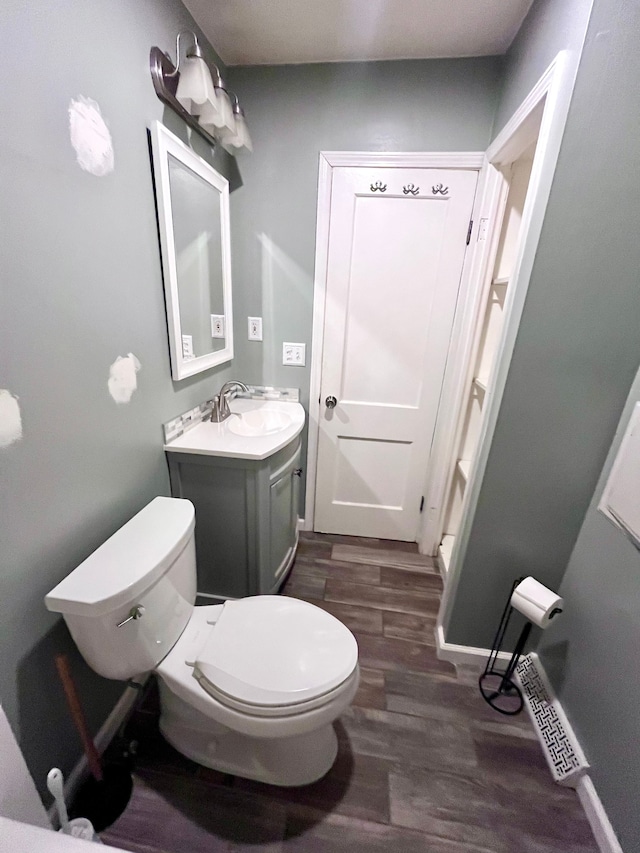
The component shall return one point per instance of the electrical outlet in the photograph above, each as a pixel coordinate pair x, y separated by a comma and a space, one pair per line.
255, 328
187, 347
294, 354
217, 325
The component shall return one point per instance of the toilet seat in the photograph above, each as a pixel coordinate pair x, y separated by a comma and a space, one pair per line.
271, 655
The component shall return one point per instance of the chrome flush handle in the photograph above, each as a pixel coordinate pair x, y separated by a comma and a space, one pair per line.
135, 613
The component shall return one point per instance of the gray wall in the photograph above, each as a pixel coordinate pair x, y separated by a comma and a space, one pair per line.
81, 284
578, 343
294, 112
550, 26
591, 656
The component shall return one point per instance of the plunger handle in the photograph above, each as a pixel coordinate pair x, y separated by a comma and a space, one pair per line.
64, 671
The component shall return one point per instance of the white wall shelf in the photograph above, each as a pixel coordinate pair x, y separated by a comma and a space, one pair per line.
488, 337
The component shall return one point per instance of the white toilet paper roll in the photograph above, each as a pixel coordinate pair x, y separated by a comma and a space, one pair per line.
536, 602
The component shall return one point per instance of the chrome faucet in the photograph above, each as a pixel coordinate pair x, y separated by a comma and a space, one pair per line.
220, 410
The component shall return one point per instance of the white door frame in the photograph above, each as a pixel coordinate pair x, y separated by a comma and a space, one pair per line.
469, 161
553, 91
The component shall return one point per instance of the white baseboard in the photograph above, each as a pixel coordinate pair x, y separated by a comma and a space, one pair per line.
594, 810
596, 815
302, 524
603, 832
467, 655
102, 740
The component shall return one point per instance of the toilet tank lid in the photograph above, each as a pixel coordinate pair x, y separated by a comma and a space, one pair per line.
129, 562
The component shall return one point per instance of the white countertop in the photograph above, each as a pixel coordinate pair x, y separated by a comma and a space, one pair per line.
209, 439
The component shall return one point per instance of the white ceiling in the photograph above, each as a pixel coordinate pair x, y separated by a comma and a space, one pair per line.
274, 32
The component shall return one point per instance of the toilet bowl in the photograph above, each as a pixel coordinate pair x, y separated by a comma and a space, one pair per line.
250, 687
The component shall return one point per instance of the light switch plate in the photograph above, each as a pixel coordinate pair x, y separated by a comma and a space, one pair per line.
187, 347
255, 328
294, 354
217, 325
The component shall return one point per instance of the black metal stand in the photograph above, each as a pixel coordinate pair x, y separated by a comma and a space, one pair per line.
497, 687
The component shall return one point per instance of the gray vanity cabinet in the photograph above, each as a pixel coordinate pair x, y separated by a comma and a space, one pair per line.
246, 518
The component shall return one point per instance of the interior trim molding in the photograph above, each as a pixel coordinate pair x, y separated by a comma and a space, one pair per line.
604, 833
406, 159
105, 735
466, 655
594, 810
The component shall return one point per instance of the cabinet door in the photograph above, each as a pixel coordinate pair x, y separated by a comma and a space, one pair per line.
224, 548
283, 522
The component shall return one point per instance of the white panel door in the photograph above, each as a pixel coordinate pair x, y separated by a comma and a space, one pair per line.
397, 239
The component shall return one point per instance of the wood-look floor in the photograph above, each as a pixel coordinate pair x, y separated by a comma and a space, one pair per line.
424, 764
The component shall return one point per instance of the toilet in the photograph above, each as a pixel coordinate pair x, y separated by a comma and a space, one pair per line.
250, 687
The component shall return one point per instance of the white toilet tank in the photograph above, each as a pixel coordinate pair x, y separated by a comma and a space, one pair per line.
148, 567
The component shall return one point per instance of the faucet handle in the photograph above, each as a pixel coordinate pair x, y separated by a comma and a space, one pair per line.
215, 409
225, 411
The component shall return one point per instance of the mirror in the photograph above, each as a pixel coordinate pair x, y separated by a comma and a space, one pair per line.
193, 216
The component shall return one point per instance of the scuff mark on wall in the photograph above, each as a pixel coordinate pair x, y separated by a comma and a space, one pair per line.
90, 137
10, 418
122, 377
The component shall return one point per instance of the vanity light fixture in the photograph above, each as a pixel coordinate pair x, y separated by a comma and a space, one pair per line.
201, 99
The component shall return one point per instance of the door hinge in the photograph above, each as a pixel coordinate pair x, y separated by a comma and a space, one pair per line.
469, 231
421, 503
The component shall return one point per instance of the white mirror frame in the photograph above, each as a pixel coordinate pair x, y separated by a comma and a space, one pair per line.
163, 144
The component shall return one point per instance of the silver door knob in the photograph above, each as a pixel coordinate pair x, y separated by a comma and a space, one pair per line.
331, 402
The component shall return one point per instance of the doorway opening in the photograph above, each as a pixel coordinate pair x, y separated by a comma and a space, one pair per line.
515, 176
390, 273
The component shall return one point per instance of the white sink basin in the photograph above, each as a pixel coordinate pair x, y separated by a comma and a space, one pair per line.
259, 422
257, 429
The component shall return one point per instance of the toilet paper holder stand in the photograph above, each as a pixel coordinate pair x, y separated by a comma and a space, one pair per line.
497, 686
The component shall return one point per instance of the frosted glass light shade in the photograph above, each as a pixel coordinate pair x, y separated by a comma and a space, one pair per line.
234, 142
242, 133
228, 143
212, 114
195, 86
217, 116
227, 121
